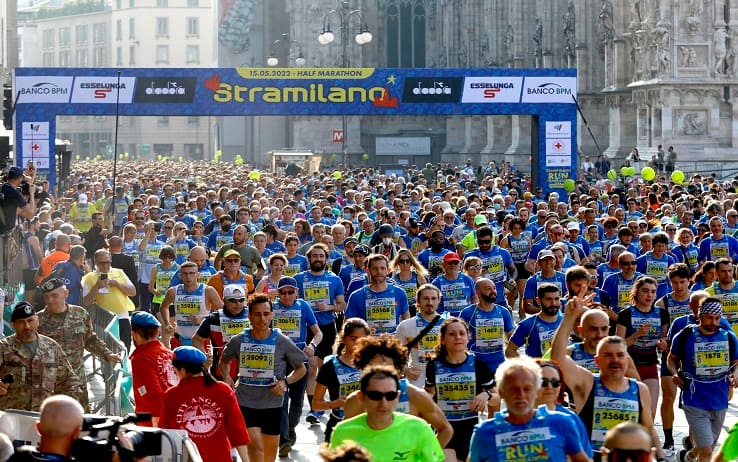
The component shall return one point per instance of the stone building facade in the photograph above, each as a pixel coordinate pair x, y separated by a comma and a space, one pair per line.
650, 71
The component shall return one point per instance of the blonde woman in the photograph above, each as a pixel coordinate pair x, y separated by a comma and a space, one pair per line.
409, 274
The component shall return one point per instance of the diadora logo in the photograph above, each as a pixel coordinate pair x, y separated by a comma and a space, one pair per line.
431, 90
165, 90
103, 90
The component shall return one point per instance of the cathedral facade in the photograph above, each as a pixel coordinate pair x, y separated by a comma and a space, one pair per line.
650, 72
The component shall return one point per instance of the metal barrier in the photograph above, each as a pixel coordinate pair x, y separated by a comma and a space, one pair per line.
105, 323
20, 426
11, 271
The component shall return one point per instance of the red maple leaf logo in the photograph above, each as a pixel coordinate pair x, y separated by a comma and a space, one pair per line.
213, 83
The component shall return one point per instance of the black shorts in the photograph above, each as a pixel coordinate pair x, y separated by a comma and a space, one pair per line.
665, 372
463, 430
325, 347
522, 272
268, 420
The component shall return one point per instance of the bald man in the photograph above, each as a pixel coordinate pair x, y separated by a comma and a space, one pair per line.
62, 244
59, 424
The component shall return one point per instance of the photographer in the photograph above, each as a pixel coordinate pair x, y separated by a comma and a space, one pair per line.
59, 424
13, 203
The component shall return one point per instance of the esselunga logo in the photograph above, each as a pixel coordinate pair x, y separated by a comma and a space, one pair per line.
549, 90
43, 89
310, 93
103, 90
492, 89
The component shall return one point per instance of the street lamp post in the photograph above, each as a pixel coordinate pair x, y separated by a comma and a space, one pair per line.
273, 61
345, 13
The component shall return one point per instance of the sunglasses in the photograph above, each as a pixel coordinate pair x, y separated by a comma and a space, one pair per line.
167, 257
286, 292
403, 261
485, 242
626, 455
476, 267
378, 395
167, 227
235, 300
628, 263
553, 383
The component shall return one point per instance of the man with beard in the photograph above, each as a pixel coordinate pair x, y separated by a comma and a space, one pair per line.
324, 291
536, 332
603, 400
431, 257
726, 290
702, 360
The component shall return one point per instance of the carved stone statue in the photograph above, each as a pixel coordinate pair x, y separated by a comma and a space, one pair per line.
720, 46
509, 44
662, 43
570, 30
694, 17
636, 16
687, 57
692, 124
538, 42
605, 28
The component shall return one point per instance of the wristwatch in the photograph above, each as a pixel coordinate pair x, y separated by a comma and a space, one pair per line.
489, 394
286, 383
312, 344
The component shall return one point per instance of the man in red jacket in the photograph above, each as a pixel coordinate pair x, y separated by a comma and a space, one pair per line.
151, 365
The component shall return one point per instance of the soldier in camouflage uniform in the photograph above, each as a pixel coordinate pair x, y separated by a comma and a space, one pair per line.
71, 327
37, 363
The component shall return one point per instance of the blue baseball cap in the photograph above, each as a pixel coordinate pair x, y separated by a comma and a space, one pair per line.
189, 354
144, 319
287, 282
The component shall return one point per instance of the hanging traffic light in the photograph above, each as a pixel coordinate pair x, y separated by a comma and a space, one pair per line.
8, 106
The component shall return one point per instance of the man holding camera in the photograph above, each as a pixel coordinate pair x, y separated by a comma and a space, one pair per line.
71, 327
13, 203
33, 366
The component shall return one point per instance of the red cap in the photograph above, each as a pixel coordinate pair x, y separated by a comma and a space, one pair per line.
451, 256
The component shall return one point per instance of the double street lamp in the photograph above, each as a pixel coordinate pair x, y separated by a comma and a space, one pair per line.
345, 14
273, 61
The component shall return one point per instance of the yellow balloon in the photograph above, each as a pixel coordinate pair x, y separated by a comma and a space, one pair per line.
337, 175
612, 174
677, 176
569, 185
648, 173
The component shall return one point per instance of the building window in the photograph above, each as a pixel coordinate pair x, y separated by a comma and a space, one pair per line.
48, 39
99, 57
118, 4
48, 59
193, 121
119, 56
193, 54
99, 33
162, 122
65, 58
65, 37
162, 27
132, 28
405, 33
80, 33
162, 54
119, 30
193, 27
81, 58
192, 4
162, 3
132, 56
131, 3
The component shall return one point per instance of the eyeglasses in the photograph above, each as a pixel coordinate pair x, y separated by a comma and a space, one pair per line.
378, 395
286, 292
611, 225
553, 383
403, 261
140, 218
476, 267
670, 230
626, 455
235, 300
233, 260
628, 263
489, 242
